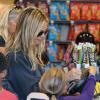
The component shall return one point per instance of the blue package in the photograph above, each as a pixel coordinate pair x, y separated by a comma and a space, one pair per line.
64, 11
54, 13
52, 34
64, 32
52, 52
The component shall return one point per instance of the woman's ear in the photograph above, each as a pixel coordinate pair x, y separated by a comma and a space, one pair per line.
3, 74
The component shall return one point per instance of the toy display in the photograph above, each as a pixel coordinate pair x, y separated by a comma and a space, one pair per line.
85, 55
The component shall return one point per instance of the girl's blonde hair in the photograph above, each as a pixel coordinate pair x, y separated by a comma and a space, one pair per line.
53, 82
30, 23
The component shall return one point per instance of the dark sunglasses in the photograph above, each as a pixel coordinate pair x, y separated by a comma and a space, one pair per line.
42, 33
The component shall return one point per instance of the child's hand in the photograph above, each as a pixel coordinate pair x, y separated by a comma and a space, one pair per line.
92, 70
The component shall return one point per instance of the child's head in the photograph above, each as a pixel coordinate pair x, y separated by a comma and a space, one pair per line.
3, 66
2, 44
53, 82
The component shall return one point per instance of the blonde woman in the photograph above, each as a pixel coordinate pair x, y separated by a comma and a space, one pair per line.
24, 52
8, 18
54, 83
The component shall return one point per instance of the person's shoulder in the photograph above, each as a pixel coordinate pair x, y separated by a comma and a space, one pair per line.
12, 53
15, 55
10, 95
18, 59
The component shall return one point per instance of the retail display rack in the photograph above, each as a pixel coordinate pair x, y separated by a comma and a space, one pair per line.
70, 22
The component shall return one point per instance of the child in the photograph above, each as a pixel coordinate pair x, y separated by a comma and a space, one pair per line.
54, 83
4, 94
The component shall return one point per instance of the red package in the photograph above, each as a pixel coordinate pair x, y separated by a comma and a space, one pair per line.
95, 8
75, 11
71, 34
98, 12
86, 12
79, 28
95, 29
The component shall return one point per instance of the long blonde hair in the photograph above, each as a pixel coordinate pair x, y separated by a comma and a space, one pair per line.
4, 21
27, 29
5, 17
53, 82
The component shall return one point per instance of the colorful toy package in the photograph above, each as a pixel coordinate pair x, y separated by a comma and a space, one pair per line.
95, 9
60, 52
97, 88
86, 12
52, 34
95, 30
64, 32
52, 52
75, 11
71, 34
54, 13
58, 33
64, 11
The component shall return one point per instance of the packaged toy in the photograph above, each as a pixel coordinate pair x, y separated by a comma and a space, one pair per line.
95, 30
75, 11
54, 13
64, 11
64, 32
86, 12
52, 34
52, 52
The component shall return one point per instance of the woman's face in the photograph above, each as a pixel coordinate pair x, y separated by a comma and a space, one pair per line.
12, 26
42, 34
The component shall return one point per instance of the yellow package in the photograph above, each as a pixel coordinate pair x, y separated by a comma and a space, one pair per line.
97, 88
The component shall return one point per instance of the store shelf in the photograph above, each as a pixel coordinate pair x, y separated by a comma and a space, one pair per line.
43, 0
35, 1
60, 61
86, 22
58, 0
64, 22
60, 42
86, 1
97, 42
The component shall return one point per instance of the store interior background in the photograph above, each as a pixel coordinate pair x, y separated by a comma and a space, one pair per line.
67, 19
